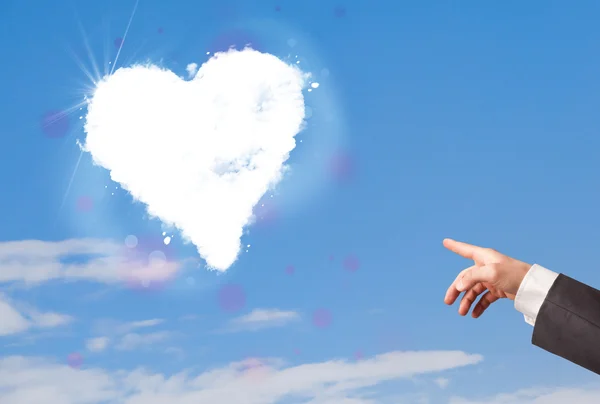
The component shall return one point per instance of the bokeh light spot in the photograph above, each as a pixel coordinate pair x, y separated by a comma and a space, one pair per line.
339, 11
358, 355
147, 263
85, 204
342, 167
55, 124
290, 270
75, 360
157, 258
231, 298
322, 318
131, 241
277, 8
255, 369
160, 31
351, 263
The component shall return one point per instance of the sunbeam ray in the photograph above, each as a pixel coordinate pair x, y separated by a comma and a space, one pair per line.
66, 194
89, 51
106, 46
124, 36
94, 81
67, 111
81, 66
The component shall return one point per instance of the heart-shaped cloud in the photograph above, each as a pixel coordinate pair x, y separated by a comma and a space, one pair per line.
199, 154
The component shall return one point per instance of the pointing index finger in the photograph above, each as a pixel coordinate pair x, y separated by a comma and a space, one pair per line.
463, 249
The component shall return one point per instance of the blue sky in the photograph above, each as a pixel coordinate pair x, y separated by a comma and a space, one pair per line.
477, 122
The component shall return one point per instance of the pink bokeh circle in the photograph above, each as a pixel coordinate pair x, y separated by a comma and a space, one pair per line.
75, 360
85, 204
147, 263
342, 166
339, 11
255, 369
322, 318
351, 263
55, 124
231, 298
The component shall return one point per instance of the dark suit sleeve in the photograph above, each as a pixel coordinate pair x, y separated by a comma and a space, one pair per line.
568, 323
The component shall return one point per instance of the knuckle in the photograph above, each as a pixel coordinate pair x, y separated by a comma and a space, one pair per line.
494, 273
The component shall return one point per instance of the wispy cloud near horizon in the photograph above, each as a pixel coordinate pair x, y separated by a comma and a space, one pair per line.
34, 262
17, 317
124, 336
259, 319
26, 380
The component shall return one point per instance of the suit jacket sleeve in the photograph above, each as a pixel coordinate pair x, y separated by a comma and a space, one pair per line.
568, 323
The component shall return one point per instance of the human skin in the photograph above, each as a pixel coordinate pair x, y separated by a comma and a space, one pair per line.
494, 276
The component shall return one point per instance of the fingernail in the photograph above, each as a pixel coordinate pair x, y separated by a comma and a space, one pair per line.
460, 286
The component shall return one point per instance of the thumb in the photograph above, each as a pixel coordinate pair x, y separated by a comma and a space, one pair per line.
473, 276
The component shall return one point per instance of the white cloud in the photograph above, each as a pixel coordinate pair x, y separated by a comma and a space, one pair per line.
540, 396
192, 69
30, 380
199, 154
142, 324
12, 321
16, 318
263, 318
123, 333
442, 382
114, 327
49, 320
33, 262
97, 344
175, 352
133, 340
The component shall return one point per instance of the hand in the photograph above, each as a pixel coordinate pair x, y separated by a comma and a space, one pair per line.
496, 274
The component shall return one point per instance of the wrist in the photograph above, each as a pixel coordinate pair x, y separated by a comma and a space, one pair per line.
521, 270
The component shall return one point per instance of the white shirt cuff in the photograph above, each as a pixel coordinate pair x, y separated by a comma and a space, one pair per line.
533, 290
